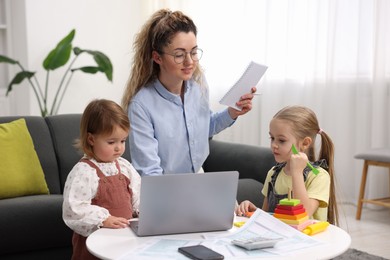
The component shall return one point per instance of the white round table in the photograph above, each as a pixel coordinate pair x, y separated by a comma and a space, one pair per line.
112, 243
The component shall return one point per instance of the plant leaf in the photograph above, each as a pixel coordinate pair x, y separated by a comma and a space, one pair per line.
7, 60
104, 62
101, 60
77, 51
18, 79
89, 69
60, 55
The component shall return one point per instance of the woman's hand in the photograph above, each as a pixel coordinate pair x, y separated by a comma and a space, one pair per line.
115, 222
245, 103
244, 207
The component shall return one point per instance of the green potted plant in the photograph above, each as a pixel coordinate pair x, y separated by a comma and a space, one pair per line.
58, 57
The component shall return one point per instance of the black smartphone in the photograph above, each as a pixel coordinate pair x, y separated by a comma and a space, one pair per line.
200, 252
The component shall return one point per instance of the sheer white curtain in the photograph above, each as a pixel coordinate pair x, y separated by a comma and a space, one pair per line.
332, 56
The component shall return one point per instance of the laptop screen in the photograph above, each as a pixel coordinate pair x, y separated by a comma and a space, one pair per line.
189, 202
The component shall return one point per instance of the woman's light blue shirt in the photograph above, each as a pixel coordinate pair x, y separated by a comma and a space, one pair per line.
167, 136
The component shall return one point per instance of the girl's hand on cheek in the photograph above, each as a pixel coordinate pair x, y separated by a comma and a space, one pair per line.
298, 163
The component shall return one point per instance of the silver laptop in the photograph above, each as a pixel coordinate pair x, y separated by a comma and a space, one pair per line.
185, 203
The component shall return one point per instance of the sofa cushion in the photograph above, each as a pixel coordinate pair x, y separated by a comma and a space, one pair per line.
63, 141
33, 223
43, 146
250, 189
250, 161
21, 173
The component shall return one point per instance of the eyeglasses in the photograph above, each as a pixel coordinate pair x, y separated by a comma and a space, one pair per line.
180, 56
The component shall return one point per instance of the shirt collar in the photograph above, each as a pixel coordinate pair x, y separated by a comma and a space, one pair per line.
174, 98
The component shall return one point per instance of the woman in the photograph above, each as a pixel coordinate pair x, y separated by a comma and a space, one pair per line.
167, 99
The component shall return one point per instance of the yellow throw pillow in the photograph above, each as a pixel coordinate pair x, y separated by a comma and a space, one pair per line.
21, 172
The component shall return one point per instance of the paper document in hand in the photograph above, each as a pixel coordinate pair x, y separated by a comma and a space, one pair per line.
246, 82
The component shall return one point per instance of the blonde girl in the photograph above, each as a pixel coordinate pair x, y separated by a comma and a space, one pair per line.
298, 125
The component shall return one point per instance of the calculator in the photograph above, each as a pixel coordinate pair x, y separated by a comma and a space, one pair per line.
256, 242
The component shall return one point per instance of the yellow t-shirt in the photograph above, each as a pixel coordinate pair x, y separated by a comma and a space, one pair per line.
317, 186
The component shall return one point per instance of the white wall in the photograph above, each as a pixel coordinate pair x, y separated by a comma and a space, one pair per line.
104, 25
109, 26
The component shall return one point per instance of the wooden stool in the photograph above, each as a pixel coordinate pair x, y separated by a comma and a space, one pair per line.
375, 157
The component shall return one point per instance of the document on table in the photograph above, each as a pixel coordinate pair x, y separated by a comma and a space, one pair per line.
263, 224
260, 224
246, 82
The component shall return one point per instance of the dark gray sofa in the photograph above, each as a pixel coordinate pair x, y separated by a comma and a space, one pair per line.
31, 227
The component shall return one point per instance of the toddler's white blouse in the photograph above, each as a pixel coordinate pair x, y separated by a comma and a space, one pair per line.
81, 187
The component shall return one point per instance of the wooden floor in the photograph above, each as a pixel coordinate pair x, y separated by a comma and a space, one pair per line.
371, 233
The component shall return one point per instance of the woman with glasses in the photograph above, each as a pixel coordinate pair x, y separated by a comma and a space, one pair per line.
167, 99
